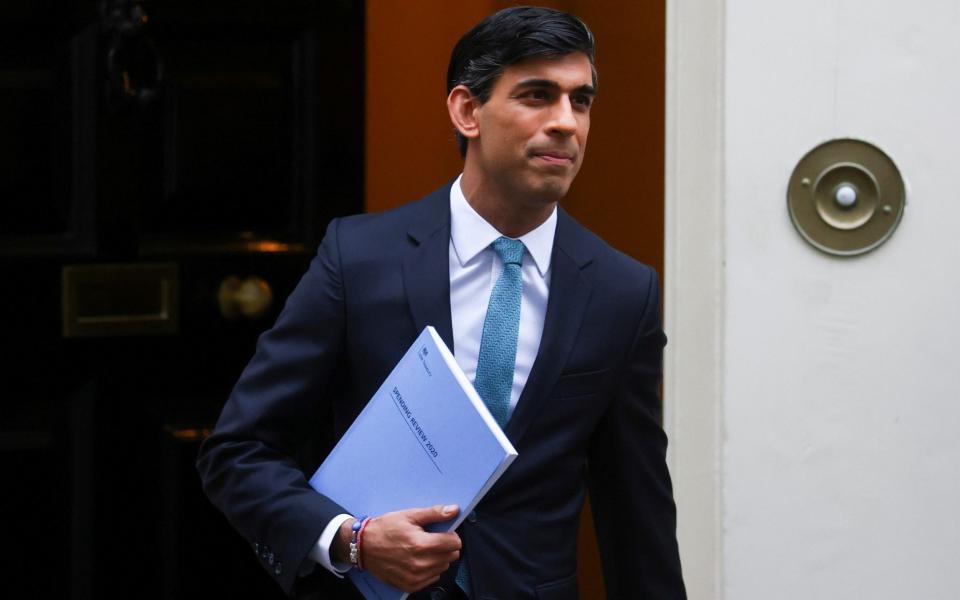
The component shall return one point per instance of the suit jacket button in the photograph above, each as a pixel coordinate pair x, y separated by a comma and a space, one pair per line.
278, 568
472, 517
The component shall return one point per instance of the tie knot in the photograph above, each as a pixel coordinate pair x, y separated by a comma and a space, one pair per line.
510, 251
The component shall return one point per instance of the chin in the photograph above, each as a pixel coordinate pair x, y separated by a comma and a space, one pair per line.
551, 189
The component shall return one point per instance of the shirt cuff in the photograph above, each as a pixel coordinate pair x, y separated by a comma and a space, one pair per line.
320, 552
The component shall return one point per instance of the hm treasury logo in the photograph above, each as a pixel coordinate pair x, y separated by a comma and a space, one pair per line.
422, 355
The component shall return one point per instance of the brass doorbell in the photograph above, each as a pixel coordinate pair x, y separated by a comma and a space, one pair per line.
846, 197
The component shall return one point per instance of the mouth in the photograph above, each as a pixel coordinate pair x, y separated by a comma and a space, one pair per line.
554, 157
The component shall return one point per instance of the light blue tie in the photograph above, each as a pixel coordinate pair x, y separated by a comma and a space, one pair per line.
498, 346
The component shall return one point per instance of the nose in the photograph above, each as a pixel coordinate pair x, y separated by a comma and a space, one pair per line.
563, 121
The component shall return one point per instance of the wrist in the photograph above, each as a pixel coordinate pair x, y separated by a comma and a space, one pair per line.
356, 530
340, 548
359, 543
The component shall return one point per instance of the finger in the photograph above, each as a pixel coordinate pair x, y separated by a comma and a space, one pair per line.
441, 543
422, 572
449, 557
430, 580
441, 563
434, 544
432, 514
418, 584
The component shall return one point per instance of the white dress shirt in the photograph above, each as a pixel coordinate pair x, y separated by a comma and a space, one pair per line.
474, 269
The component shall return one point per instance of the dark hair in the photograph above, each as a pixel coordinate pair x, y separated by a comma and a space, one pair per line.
508, 37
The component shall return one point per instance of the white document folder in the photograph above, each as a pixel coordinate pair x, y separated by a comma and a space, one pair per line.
424, 438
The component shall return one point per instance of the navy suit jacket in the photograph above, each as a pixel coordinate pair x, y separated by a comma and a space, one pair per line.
588, 417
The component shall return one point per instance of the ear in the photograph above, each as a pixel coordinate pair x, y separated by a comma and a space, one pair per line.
463, 106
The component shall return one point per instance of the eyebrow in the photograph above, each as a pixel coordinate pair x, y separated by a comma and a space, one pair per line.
587, 89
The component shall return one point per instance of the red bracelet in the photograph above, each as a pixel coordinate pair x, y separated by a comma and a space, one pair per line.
360, 544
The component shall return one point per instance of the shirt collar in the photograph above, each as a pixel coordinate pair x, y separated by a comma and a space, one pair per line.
471, 233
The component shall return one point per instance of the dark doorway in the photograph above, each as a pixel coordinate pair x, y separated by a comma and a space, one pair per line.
167, 168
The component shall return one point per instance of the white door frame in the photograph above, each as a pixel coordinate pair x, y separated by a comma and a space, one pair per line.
694, 285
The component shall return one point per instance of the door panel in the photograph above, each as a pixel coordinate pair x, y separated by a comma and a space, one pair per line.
214, 139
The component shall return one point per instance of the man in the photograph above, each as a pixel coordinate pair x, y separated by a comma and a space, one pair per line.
577, 393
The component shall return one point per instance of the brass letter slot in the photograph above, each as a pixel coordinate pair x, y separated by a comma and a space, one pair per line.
134, 299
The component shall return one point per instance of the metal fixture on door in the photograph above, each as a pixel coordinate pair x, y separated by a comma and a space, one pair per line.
846, 197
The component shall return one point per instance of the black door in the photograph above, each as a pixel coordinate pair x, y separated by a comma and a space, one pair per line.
167, 168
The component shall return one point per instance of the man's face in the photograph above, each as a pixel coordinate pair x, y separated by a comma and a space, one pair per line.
533, 128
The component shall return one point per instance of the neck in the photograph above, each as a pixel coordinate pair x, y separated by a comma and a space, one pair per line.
511, 216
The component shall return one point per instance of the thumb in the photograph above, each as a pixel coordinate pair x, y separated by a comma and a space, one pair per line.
433, 514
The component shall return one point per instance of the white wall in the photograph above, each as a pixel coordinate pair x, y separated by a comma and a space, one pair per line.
840, 461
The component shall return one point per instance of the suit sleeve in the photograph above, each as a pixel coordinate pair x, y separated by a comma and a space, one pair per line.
630, 489
248, 465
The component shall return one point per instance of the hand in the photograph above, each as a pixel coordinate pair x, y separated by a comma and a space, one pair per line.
398, 551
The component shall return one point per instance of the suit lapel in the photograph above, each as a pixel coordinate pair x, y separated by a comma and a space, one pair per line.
426, 267
570, 291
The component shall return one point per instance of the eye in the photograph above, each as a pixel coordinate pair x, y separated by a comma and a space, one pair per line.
538, 94
583, 100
